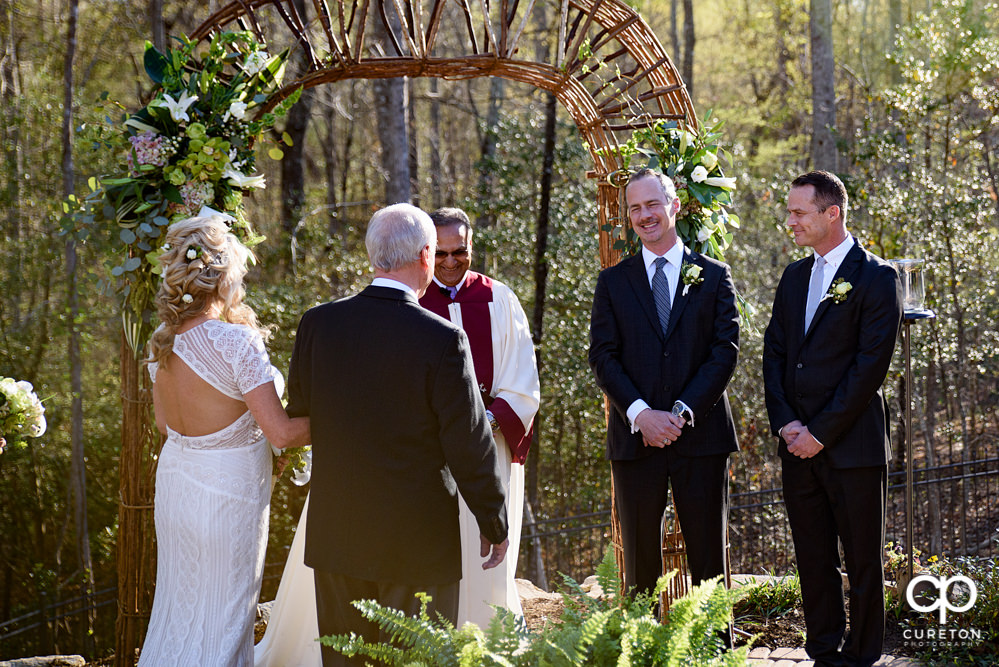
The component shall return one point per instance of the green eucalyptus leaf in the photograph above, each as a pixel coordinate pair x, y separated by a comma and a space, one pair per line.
156, 63
127, 236
132, 263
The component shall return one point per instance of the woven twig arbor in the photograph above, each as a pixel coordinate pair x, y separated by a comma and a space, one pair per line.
448, 39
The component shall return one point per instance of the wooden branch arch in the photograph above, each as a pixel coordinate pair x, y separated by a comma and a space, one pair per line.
608, 69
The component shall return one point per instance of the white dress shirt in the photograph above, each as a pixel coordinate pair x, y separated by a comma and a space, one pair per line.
674, 258
392, 284
833, 259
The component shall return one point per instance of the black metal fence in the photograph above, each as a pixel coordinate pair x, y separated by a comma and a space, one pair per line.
61, 626
956, 514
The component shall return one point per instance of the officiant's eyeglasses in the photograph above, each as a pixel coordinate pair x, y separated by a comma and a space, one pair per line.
460, 253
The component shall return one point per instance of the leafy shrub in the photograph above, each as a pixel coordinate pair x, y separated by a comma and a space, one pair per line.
610, 630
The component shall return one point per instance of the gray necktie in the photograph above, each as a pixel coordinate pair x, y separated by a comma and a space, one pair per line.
814, 291
660, 291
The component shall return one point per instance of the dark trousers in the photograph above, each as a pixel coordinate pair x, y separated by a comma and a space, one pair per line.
826, 506
700, 493
337, 616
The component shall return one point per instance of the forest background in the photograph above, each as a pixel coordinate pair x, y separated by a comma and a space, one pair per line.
906, 95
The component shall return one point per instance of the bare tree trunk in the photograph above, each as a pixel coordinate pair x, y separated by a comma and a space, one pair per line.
293, 165
414, 149
540, 292
990, 168
674, 34
688, 46
436, 190
390, 110
157, 27
824, 153
487, 151
78, 468
895, 22
335, 227
10, 137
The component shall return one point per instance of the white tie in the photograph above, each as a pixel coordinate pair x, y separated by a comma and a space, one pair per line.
814, 290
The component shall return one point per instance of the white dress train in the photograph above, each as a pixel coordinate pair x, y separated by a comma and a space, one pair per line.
290, 638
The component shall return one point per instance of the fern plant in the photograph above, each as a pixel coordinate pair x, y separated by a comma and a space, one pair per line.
612, 629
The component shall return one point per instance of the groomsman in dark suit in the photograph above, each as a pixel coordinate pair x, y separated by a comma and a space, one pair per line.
664, 340
827, 349
398, 428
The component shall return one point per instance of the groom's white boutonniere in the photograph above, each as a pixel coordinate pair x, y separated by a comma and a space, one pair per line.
838, 291
690, 274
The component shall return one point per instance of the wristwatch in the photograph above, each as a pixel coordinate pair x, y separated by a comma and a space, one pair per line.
492, 421
681, 410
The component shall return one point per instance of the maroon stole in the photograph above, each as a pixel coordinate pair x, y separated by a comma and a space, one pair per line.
474, 297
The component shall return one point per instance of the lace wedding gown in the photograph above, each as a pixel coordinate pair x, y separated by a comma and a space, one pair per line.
211, 513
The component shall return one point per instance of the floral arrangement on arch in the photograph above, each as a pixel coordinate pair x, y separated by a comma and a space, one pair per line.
190, 147
22, 414
692, 158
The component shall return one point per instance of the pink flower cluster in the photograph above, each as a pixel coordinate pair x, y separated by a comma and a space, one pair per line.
149, 148
196, 194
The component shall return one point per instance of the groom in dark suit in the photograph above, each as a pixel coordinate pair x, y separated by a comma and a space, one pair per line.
827, 349
664, 340
398, 428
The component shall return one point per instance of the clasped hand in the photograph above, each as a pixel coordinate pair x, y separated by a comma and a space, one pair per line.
800, 441
659, 428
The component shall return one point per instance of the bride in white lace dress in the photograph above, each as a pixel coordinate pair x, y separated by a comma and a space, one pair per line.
216, 398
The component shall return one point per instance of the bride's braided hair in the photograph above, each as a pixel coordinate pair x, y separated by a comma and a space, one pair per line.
203, 265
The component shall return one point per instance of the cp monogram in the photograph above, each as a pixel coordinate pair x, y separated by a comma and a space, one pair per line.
942, 602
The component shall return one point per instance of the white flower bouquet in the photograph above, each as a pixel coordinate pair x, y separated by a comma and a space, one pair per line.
22, 414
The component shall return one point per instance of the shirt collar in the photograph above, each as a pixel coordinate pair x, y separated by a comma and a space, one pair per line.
392, 284
836, 256
457, 287
674, 255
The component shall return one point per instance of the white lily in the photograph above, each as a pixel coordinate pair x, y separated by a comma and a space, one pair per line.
721, 182
237, 110
242, 180
178, 108
698, 174
703, 234
709, 160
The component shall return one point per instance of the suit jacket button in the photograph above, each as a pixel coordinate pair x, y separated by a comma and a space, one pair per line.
799, 395
666, 354
800, 365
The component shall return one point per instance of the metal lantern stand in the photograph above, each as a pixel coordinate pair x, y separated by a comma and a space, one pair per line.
909, 318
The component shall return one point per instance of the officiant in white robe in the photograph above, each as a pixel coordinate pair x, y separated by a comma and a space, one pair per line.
507, 372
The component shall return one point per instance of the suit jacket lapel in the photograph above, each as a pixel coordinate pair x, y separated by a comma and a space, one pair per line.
679, 298
847, 270
639, 278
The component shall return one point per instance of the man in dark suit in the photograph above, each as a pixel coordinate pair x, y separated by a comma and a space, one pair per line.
398, 428
827, 350
663, 346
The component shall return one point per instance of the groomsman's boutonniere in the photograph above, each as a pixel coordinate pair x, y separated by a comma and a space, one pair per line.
691, 275
838, 291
